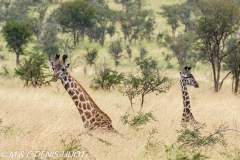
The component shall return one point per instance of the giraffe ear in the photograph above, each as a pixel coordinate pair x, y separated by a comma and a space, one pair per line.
180, 72
51, 64
68, 65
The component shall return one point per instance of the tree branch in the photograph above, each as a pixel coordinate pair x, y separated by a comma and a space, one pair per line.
220, 84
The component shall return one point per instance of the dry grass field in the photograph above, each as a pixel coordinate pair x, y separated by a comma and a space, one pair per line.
41, 119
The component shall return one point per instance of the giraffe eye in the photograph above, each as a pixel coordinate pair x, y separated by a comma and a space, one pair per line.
63, 69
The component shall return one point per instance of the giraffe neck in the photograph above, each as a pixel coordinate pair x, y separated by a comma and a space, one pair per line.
92, 116
187, 114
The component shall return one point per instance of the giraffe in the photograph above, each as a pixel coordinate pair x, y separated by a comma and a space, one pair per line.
186, 78
92, 116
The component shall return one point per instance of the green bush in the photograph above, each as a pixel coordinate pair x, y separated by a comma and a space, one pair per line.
193, 137
139, 119
106, 79
233, 154
33, 70
3, 57
129, 52
130, 87
143, 52
91, 56
191, 141
115, 49
149, 81
6, 72
152, 146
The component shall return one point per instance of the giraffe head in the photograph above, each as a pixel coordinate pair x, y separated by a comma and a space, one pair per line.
186, 78
59, 67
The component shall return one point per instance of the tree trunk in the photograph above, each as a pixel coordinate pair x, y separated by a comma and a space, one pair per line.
218, 75
214, 78
142, 101
102, 38
180, 61
236, 82
75, 38
17, 59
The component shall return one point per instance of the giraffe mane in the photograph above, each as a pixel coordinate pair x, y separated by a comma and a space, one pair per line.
95, 105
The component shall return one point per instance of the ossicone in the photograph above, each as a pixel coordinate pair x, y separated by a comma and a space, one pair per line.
187, 68
64, 57
57, 56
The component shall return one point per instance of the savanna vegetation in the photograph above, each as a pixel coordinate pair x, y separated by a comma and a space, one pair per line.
127, 55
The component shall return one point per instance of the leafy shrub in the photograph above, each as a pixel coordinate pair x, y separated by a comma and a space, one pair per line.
175, 152
3, 57
107, 143
149, 81
74, 145
111, 30
91, 56
167, 58
233, 154
152, 146
139, 119
129, 52
6, 72
194, 138
190, 140
33, 71
115, 49
106, 78
130, 87
143, 52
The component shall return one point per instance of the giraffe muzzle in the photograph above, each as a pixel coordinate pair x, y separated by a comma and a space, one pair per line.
54, 79
196, 85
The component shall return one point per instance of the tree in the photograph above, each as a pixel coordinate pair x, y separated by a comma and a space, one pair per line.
136, 24
4, 4
18, 10
218, 22
74, 17
130, 87
105, 78
37, 22
149, 81
232, 64
104, 21
111, 30
172, 15
115, 49
181, 44
177, 14
143, 52
33, 71
49, 41
16, 35
123, 2
129, 52
182, 47
91, 56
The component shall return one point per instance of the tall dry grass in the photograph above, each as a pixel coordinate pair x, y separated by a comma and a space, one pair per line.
39, 118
